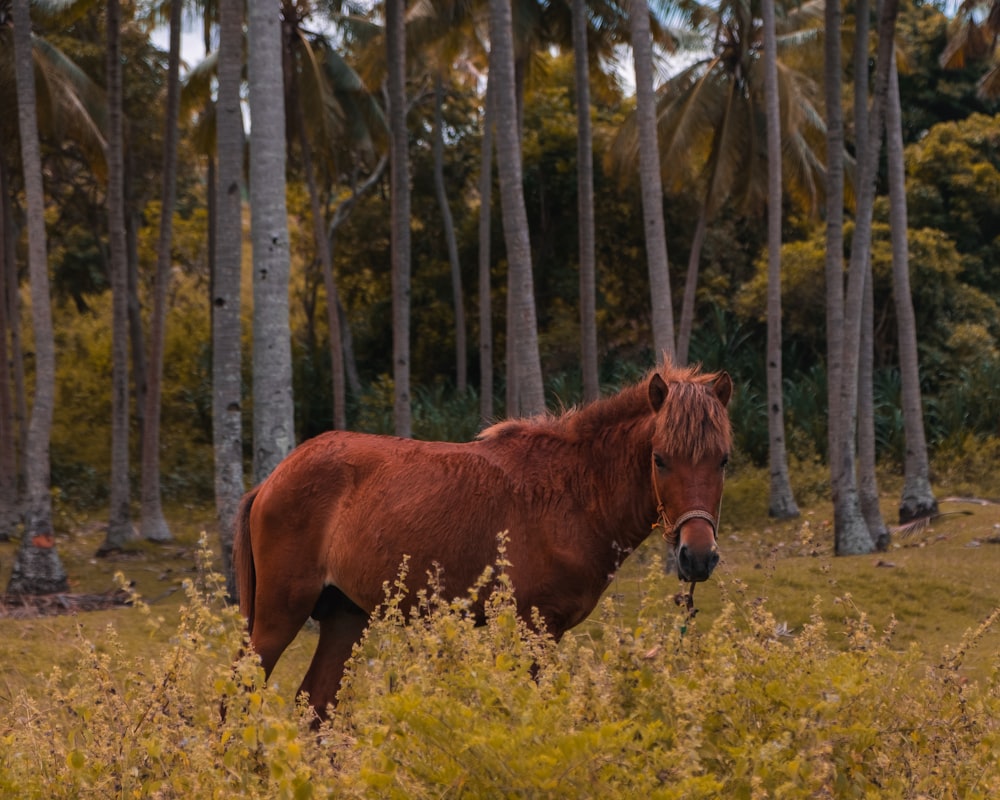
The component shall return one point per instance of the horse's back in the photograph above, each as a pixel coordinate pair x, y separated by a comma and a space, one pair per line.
347, 507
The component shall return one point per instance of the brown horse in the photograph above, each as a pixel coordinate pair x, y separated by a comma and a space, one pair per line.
576, 493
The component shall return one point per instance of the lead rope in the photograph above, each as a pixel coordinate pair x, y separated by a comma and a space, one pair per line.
671, 532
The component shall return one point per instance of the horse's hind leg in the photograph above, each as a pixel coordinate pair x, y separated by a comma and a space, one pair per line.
278, 618
338, 633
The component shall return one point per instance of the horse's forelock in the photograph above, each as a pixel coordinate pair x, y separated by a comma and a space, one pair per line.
693, 422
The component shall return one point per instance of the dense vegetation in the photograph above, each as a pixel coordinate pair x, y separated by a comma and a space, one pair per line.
742, 701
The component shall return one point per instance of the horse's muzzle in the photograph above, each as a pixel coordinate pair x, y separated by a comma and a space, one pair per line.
696, 566
697, 554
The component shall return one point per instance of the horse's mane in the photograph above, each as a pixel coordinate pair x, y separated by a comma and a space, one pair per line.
697, 425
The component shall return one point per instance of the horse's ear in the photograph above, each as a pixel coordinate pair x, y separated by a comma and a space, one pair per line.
724, 388
657, 391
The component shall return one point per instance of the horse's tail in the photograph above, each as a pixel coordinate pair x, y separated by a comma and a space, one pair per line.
246, 572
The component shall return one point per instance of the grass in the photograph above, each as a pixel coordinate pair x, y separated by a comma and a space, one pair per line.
935, 585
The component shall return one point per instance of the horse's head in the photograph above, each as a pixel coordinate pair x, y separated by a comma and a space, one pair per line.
691, 444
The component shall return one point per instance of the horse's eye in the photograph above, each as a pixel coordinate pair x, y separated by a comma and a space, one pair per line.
725, 461
660, 461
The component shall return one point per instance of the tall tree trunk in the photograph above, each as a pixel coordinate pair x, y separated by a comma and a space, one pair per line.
691, 286
395, 26
522, 318
37, 568
457, 295
866, 462
918, 498
13, 309
9, 507
119, 522
782, 502
850, 530
867, 477
322, 242
227, 400
585, 205
485, 273
153, 526
834, 262
273, 411
651, 182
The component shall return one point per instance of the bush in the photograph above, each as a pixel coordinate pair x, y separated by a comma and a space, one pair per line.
641, 704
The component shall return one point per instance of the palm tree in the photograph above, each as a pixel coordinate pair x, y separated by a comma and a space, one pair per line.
484, 274
711, 117
782, 501
119, 522
917, 497
273, 412
227, 401
523, 351
585, 205
395, 30
37, 568
153, 526
851, 532
650, 181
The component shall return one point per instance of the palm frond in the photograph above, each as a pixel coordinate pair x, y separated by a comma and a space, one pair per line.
921, 524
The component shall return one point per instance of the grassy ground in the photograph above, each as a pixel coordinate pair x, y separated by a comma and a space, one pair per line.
935, 584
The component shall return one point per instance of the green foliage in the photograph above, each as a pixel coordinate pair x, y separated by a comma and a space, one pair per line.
644, 703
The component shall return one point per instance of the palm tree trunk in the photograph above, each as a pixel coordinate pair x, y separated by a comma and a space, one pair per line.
782, 501
9, 507
13, 310
651, 182
522, 319
395, 27
37, 568
119, 523
153, 526
273, 412
322, 242
850, 530
691, 286
458, 298
918, 498
867, 477
485, 274
585, 205
227, 399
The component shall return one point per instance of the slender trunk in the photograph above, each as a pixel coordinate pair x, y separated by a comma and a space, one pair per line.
227, 400
691, 286
782, 502
851, 532
153, 526
9, 507
12, 283
37, 568
457, 295
651, 182
119, 523
867, 477
485, 274
273, 411
866, 462
585, 205
322, 242
400, 213
530, 389
918, 498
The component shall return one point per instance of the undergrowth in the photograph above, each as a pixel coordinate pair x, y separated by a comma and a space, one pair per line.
654, 706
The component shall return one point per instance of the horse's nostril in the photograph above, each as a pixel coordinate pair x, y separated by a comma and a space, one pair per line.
714, 560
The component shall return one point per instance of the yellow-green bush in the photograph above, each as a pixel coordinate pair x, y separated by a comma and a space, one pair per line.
642, 705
